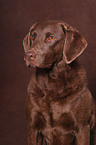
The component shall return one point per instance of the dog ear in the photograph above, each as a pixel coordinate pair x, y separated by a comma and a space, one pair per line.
26, 40
74, 44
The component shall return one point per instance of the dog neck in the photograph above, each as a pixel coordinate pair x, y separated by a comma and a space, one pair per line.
73, 76
63, 68
64, 78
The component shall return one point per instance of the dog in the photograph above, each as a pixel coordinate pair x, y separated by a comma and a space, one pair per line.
59, 106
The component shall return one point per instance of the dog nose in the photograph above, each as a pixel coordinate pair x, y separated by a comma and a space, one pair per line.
31, 55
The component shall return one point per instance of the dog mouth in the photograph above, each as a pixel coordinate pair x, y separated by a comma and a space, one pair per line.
30, 62
33, 60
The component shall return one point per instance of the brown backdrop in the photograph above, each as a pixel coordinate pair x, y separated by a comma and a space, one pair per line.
16, 18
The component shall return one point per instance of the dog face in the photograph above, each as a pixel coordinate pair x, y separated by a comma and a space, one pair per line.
50, 42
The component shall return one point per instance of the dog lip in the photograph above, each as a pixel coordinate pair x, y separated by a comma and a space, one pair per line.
45, 66
30, 63
49, 65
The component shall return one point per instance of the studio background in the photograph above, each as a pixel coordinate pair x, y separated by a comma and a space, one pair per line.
16, 18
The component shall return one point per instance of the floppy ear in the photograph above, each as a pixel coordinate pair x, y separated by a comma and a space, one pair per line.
74, 44
26, 40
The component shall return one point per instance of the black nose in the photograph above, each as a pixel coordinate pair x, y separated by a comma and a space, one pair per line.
31, 55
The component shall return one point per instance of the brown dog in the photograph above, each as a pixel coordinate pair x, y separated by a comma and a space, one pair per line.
60, 108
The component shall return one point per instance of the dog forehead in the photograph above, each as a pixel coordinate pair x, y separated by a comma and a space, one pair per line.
48, 26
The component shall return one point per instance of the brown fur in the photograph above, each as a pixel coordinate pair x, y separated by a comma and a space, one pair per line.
60, 108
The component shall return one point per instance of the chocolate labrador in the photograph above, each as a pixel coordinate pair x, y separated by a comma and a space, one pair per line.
60, 108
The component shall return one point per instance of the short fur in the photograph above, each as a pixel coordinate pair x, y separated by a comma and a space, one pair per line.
60, 108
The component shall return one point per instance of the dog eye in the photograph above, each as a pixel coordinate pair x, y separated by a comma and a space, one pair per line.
51, 38
33, 36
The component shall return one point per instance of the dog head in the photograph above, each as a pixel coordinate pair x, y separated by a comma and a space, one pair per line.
52, 41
